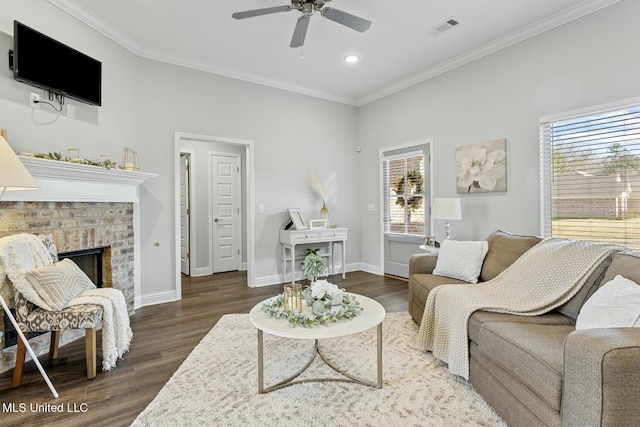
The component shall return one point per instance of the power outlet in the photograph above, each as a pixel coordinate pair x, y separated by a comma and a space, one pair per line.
34, 99
71, 111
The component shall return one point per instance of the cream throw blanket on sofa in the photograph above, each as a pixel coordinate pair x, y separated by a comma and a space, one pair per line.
543, 278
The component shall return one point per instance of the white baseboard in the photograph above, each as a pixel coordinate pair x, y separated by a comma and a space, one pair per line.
268, 280
373, 269
158, 298
275, 279
202, 271
278, 278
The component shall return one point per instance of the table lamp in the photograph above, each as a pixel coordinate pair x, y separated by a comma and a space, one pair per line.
15, 176
447, 209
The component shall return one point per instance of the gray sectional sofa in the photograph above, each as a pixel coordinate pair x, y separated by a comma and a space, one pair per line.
540, 370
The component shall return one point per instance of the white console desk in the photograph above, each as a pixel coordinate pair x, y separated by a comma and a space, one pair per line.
290, 238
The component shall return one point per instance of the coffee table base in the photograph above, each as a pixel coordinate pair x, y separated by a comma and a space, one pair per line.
316, 352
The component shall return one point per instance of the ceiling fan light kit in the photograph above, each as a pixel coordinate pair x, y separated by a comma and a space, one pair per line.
308, 8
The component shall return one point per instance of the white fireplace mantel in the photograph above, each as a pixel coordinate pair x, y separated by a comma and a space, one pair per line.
72, 182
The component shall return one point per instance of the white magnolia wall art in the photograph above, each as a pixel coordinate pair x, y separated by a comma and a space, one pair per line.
482, 168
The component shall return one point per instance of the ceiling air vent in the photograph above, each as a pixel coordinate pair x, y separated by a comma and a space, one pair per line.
441, 28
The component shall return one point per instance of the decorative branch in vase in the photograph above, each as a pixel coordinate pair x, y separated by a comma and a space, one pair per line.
324, 189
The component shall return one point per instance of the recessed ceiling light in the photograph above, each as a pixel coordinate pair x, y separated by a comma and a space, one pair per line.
351, 58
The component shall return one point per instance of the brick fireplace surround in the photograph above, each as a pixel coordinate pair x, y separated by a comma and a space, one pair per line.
84, 207
78, 226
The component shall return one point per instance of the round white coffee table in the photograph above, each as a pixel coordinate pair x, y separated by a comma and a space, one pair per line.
371, 316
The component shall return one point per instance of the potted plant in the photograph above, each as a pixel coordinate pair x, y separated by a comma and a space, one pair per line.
313, 265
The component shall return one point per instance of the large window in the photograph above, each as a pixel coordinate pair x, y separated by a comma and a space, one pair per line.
404, 188
590, 169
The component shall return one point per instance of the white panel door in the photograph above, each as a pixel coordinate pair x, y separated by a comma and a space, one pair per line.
406, 190
225, 209
184, 214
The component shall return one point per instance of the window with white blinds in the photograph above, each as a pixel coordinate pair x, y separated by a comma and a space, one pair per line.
404, 193
590, 176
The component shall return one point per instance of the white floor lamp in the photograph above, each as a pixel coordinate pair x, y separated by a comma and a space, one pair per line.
14, 176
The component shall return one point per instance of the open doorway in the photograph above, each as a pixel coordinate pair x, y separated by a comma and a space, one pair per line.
200, 150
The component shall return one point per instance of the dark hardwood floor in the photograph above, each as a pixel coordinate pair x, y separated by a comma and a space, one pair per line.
164, 335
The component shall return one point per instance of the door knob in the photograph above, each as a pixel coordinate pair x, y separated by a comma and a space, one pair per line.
216, 219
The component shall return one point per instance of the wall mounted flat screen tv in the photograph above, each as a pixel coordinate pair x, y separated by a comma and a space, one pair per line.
41, 61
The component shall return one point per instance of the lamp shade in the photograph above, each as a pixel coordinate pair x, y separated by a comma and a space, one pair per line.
447, 208
13, 174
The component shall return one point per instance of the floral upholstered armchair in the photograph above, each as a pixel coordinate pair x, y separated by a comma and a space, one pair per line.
52, 296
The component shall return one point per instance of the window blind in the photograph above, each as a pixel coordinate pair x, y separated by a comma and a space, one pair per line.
590, 177
403, 193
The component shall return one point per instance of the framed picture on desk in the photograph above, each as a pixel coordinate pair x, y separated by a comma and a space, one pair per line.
297, 219
317, 223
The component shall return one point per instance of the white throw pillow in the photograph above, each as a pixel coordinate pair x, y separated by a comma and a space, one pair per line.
57, 284
461, 260
615, 305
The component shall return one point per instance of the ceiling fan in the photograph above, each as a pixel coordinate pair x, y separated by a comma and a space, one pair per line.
308, 8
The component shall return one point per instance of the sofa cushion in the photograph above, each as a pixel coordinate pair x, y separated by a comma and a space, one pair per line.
516, 403
615, 305
461, 260
572, 307
419, 287
531, 353
504, 249
626, 264
480, 317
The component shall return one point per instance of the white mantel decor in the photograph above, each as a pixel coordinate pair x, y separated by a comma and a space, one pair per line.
61, 181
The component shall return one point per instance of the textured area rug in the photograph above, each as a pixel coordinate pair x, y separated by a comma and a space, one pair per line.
217, 384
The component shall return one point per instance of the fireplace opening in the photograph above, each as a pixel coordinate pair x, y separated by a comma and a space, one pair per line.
90, 261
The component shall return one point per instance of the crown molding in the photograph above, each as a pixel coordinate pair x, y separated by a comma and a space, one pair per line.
525, 33
585, 8
107, 30
242, 75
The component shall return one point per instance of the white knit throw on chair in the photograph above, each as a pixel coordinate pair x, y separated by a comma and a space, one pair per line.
22, 252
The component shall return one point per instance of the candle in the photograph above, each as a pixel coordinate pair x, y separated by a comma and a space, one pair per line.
128, 166
293, 297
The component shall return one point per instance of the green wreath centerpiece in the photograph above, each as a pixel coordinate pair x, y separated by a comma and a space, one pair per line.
349, 309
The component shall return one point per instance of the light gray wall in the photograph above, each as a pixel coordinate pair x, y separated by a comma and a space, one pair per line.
588, 62
106, 129
292, 135
145, 102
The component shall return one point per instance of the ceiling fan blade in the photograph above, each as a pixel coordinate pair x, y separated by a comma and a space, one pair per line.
346, 19
258, 12
300, 31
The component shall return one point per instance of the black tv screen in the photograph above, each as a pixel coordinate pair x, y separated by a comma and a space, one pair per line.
41, 61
